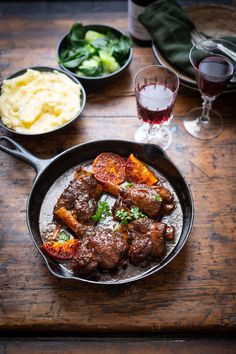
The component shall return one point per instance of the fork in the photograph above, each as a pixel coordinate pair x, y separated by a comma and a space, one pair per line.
197, 37
209, 45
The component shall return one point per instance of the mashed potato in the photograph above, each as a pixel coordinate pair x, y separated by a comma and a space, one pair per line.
37, 102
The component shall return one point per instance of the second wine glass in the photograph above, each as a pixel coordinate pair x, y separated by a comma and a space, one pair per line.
156, 90
213, 61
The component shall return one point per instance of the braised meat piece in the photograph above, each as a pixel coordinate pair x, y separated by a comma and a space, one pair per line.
110, 248
101, 248
153, 201
85, 262
81, 196
146, 241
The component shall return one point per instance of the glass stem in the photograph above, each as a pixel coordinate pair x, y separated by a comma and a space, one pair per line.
152, 130
206, 107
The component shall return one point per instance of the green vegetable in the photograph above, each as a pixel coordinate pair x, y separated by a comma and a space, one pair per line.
76, 35
91, 67
91, 36
99, 43
120, 48
128, 185
158, 198
103, 210
63, 236
72, 58
136, 213
123, 216
91, 53
109, 62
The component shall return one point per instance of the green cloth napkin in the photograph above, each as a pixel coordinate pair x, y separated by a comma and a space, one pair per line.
170, 27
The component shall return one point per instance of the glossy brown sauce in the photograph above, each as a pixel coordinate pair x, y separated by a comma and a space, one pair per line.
46, 222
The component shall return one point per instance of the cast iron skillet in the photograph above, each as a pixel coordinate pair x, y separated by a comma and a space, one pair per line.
47, 171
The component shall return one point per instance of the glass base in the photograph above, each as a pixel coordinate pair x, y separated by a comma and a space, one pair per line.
156, 135
201, 127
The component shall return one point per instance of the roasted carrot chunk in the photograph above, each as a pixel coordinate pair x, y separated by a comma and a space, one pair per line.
109, 168
111, 188
61, 251
69, 220
138, 172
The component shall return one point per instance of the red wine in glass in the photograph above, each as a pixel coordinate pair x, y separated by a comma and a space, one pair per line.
155, 103
156, 89
213, 74
213, 69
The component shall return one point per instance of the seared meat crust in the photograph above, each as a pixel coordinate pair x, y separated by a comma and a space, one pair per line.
103, 248
81, 196
146, 199
86, 261
146, 241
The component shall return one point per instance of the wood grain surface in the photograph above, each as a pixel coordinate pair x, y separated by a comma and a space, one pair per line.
196, 293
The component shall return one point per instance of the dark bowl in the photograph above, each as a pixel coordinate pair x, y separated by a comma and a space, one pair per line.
46, 68
90, 82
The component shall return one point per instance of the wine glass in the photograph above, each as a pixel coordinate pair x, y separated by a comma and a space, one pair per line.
214, 64
156, 90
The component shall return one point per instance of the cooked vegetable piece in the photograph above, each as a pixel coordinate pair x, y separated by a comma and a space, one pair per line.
100, 43
103, 210
108, 61
77, 33
119, 48
91, 36
111, 188
69, 220
138, 172
91, 67
109, 168
61, 251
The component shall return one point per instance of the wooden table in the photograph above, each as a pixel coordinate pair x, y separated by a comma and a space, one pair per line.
194, 295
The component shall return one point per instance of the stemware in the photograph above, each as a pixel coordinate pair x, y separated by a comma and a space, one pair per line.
214, 69
156, 90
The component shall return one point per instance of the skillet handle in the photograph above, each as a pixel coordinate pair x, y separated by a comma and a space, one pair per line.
18, 151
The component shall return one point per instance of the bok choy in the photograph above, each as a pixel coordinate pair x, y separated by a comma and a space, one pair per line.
91, 53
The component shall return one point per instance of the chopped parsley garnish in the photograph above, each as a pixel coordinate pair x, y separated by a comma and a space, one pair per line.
158, 198
103, 210
126, 217
136, 213
63, 236
128, 185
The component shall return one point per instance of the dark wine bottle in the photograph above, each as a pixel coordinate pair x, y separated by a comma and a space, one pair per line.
137, 31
